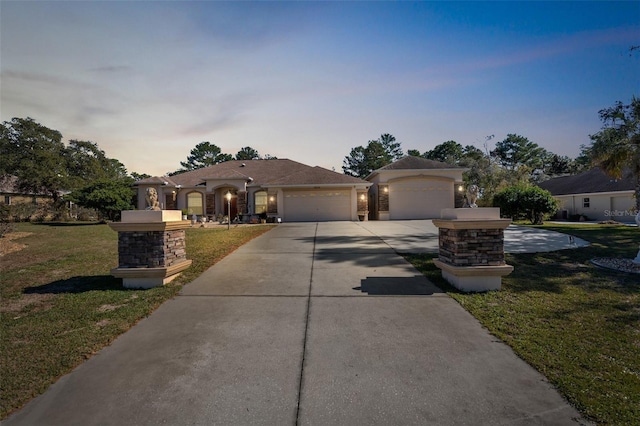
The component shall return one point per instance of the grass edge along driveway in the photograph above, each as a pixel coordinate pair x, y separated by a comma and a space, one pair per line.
575, 323
59, 305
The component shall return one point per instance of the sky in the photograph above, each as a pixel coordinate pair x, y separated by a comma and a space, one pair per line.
149, 80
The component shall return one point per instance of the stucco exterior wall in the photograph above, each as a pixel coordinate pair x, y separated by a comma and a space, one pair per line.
602, 206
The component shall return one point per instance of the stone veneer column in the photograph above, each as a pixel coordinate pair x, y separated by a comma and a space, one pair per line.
363, 205
471, 248
241, 202
151, 247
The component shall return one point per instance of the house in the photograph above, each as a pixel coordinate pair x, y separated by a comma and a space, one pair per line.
414, 188
23, 205
282, 188
595, 195
410, 188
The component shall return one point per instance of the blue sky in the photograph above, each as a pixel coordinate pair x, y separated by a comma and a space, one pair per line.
308, 81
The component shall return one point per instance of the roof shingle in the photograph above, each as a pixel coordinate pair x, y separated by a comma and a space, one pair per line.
595, 180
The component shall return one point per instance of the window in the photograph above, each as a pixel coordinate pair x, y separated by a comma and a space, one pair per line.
194, 203
7, 199
260, 202
586, 203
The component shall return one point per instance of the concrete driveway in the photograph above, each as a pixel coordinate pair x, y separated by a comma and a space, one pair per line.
311, 323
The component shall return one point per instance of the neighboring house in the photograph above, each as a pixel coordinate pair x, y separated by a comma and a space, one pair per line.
594, 194
414, 188
11, 194
279, 188
23, 205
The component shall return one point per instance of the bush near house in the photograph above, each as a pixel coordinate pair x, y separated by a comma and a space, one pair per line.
525, 202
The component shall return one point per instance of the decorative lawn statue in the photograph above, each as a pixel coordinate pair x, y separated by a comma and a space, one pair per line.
472, 196
152, 199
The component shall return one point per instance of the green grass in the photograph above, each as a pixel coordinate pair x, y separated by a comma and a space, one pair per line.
577, 324
59, 305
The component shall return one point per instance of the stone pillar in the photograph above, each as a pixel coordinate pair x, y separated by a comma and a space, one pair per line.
363, 205
241, 202
210, 204
471, 248
151, 247
272, 203
383, 202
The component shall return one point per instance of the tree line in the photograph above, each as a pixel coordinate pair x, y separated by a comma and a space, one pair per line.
82, 172
79, 171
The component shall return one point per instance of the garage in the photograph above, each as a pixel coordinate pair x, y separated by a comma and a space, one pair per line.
419, 198
317, 205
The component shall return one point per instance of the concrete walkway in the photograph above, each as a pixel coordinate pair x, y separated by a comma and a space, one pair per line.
318, 324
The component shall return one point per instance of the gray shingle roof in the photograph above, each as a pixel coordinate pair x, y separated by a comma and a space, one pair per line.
595, 180
263, 172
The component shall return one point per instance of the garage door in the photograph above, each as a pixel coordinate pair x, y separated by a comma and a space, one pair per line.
312, 206
622, 208
419, 198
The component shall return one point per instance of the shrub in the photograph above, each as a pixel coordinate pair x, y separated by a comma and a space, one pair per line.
525, 202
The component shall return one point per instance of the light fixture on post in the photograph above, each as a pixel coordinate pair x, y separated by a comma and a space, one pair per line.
228, 196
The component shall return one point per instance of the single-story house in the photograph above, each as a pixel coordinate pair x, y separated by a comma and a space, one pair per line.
595, 195
414, 188
410, 188
279, 188
22, 204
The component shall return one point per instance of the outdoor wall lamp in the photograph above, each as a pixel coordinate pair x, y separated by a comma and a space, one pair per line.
386, 189
228, 197
362, 197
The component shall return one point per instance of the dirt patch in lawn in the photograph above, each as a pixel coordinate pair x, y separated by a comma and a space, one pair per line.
8, 245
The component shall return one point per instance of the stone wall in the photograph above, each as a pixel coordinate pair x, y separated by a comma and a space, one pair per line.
383, 198
363, 201
210, 204
151, 249
472, 247
272, 203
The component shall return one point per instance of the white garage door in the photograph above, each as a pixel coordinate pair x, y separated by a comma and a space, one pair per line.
419, 198
622, 208
311, 206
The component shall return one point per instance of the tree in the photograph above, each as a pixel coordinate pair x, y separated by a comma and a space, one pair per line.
247, 153
617, 145
448, 152
516, 151
203, 155
414, 153
525, 202
361, 161
139, 176
109, 197
86, 162
35, 155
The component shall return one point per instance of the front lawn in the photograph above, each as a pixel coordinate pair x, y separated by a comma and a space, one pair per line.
59, 305
577, 324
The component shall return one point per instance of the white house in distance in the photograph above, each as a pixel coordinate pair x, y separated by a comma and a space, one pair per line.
410, 188
595, 195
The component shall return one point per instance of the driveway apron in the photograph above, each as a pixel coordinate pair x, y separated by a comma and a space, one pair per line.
311, 323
